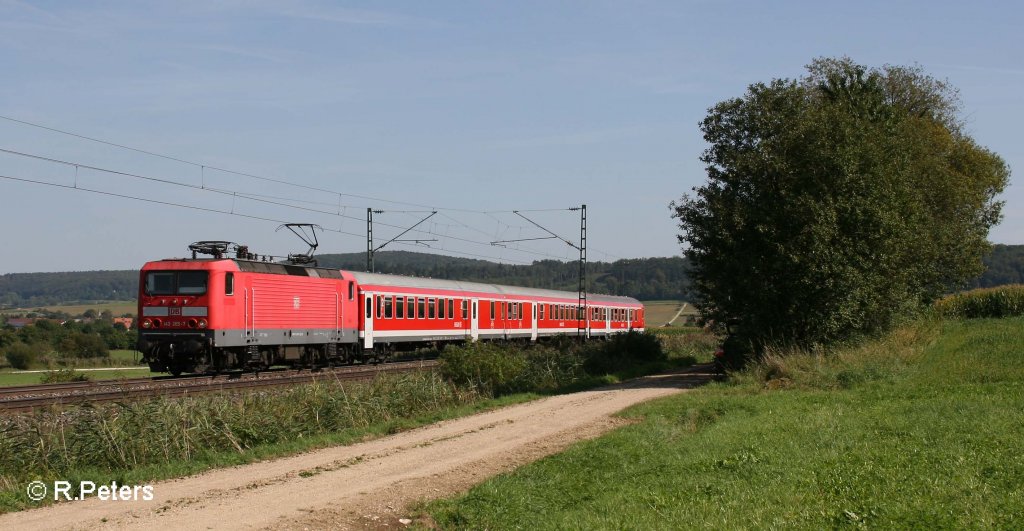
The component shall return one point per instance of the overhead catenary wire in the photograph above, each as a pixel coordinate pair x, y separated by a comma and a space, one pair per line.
262, 198
203, 167
204, 209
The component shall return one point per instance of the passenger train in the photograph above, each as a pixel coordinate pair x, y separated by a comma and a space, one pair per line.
217, 314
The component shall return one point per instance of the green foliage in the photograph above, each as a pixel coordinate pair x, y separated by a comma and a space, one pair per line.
1003, 301
621, 352
504, 368
83, 345
63, 375
499, 369
837, 204
20, 355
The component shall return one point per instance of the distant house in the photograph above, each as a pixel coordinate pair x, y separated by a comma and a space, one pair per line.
126, 321
21, 322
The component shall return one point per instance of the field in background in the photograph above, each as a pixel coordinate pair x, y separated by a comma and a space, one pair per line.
922, 429
120, 359
660, 312
118, 308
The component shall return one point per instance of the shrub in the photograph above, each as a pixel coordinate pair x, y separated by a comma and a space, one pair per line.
20, 356
63, 375
621, 352
81, 345
489, 367
1002, 301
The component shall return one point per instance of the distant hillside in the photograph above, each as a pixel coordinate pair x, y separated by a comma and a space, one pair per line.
39, 289
1004, 266
643, 278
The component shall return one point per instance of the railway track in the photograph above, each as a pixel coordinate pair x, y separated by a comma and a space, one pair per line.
29, 397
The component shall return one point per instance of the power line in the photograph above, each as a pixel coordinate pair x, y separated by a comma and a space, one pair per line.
211, 210
225, 170
252, 197
203, 167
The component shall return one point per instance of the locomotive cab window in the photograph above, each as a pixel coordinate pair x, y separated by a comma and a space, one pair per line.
351, 291
229, 284
176, 282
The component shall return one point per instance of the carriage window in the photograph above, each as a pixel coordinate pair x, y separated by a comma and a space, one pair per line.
387, 307
440, 308
229, 284
421, 311
410, 308
369, 308
465, 309
451, 308
540, 308
492, 310
519, 310
474, 310
380, 306
511, 310
400, 308
431, 308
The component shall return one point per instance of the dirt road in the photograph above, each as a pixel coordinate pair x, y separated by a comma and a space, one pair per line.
366, 485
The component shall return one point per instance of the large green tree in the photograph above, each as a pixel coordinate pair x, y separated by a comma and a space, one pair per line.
837, 202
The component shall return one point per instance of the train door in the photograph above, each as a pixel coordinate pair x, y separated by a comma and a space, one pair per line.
474, 320
533, 321
367, 321
607, 321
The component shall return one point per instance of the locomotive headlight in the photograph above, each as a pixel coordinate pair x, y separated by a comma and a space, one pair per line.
146, 323
203, 323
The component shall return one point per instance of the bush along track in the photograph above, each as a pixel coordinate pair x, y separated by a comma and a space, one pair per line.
143, 441
921, 429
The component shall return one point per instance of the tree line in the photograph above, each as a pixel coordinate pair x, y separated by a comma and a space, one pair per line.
47, 341
665, 278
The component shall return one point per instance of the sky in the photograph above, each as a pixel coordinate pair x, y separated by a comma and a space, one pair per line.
241, 116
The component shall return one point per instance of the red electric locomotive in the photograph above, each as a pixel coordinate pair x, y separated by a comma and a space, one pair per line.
216, 314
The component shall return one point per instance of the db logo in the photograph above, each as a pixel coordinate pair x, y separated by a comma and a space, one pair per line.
174, 312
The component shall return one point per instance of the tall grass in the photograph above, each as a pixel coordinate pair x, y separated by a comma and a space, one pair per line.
123, 437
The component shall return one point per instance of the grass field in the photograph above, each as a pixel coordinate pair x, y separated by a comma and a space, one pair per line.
117, 308
118, 358
920, 430
660, 312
